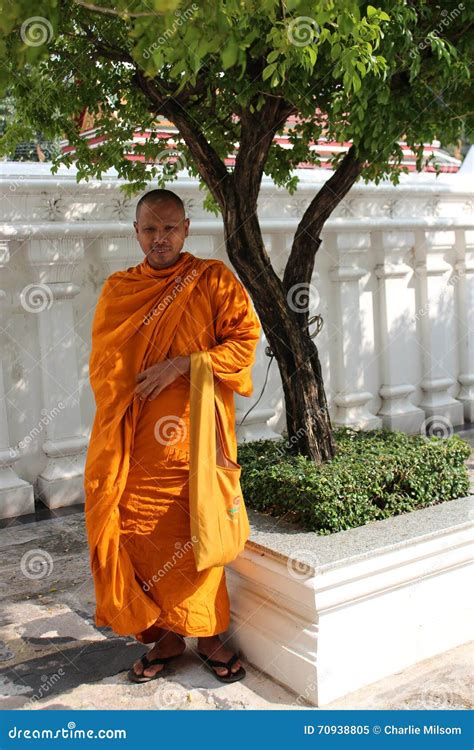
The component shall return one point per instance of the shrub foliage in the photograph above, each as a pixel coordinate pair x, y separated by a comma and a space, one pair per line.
374, 475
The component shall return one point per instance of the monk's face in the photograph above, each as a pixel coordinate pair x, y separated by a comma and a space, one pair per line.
161, 229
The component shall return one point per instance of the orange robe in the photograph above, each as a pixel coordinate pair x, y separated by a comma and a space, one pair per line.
137, 466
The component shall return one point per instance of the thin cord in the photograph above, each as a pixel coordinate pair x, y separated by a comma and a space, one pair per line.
264, 386
319, 324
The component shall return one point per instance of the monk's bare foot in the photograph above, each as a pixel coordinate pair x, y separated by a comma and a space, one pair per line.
168, 644
214, 649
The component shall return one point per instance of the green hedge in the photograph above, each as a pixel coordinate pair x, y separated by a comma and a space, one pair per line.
374, 475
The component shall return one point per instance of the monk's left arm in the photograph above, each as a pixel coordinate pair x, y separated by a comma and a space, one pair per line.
237, 331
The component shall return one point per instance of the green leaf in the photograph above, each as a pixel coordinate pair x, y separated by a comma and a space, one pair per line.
312, 54
273, 55
158, 59
268, 71
229, 55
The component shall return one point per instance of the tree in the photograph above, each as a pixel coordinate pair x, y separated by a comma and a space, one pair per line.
229, 74
36, 150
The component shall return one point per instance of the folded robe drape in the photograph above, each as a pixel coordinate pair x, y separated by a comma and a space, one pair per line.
140, 315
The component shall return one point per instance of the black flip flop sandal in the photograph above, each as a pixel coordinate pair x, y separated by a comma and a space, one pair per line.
134, 677
232, 676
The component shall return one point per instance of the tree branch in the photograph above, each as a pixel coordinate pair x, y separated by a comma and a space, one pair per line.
211, 168
257, 132
110, 53
113, 12
299, 267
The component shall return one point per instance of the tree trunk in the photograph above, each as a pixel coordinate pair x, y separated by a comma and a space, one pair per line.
307, 416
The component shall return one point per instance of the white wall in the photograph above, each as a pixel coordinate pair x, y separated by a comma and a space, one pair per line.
394, 276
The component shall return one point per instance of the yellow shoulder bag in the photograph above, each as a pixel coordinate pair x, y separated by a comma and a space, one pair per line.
219, 521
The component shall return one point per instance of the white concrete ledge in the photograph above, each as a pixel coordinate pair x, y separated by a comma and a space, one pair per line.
37, 176
327, 615
203, 227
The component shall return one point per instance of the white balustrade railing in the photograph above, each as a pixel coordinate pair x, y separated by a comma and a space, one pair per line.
393, 282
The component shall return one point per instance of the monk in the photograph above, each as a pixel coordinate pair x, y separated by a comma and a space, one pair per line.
148, 321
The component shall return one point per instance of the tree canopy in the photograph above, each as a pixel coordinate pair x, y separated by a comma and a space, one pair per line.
347, 70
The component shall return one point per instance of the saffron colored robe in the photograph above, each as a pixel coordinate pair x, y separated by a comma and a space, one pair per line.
137, 466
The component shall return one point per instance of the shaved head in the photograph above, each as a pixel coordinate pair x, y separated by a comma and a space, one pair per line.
161, 227
156, 196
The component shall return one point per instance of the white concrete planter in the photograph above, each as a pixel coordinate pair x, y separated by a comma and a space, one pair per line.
327, 615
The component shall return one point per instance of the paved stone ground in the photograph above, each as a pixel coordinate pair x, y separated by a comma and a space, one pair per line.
52, 656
